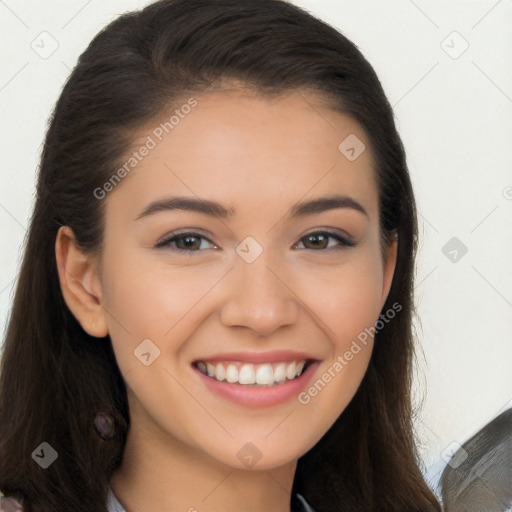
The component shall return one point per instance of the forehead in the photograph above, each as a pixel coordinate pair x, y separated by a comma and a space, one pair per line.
241, 147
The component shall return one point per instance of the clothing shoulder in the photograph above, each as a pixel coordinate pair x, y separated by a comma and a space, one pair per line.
9, 504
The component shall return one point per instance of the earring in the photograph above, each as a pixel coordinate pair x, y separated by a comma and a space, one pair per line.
104, 425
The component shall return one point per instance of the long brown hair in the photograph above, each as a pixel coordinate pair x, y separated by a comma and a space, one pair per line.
55, 377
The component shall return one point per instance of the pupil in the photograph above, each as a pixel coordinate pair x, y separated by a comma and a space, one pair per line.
189, 240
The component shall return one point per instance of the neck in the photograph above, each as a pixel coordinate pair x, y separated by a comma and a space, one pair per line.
159, 472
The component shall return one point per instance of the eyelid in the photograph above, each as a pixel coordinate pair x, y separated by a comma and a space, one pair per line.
345, 240
167, 239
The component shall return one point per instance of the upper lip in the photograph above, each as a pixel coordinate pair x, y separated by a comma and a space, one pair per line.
272, 356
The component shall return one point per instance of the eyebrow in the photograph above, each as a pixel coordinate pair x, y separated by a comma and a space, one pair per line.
215, 209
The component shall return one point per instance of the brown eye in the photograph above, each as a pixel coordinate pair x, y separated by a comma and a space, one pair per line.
189, 242
320, 240
185, 242
317, 241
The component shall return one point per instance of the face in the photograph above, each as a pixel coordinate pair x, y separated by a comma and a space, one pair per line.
271, 281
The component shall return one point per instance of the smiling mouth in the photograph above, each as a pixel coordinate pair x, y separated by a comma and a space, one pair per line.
256, 375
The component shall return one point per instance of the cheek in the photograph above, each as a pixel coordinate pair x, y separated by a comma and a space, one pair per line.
348, 304
146, 299
346, 299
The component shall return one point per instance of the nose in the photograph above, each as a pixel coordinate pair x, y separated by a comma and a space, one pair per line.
259, 296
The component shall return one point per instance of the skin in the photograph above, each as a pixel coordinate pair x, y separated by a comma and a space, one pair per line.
258, 156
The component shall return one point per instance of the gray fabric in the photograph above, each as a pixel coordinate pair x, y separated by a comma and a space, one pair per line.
479, 475
305, 504
113, 504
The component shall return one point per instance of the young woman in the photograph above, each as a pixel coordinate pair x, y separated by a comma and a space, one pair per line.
214, 307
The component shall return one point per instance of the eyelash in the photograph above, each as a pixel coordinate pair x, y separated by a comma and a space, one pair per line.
166, 242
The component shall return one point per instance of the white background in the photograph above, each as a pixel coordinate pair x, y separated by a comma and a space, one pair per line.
454, 114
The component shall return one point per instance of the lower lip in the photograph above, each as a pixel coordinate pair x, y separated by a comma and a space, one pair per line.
259, 396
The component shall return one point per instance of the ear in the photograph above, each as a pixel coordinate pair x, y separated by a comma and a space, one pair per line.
80, 283
389, 269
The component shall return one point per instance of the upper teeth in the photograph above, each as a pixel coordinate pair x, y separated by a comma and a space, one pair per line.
266, 374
